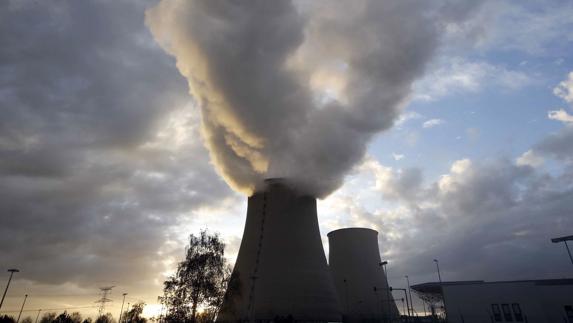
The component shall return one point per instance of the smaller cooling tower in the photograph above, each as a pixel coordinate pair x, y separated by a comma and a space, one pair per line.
359, 278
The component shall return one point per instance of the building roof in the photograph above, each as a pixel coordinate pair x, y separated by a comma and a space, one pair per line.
436, 287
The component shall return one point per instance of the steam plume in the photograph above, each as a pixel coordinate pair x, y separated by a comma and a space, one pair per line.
294, 89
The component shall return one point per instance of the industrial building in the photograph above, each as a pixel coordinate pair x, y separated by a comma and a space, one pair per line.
281, 269
533, 301
359, 277
281, 274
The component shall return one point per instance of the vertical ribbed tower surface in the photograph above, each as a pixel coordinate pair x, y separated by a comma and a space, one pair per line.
354, 260
281, 267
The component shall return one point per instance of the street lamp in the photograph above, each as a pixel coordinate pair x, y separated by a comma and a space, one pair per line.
12, 271
38, 316
406, 295
443, 295
383, 265
22, 308
121, 311
438, 267
410, 294
564, 239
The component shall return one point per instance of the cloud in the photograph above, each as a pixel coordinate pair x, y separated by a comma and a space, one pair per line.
565, 89
560, 115
99, 156
557, 145
407, 116
525, 27
529, 158
398, 156
433, 123
485, 220
451, 76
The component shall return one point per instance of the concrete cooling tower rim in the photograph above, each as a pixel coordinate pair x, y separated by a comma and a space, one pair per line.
353, 230
289, 183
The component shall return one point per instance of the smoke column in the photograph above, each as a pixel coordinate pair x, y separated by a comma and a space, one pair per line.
295, 89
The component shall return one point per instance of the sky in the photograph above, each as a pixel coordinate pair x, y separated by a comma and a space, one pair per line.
445, 126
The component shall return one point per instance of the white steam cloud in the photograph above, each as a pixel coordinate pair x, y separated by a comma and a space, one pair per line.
291, 89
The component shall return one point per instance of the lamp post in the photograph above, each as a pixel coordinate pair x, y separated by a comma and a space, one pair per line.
121, 311
410, 294
127, 311
564, 240
12, 271
22, 308
383, 265
38, 316
443, 296
438, 267
406, 295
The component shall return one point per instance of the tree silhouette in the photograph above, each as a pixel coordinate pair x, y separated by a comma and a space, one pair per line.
134, 315
200, 281
7, 319
107, 318
48, 318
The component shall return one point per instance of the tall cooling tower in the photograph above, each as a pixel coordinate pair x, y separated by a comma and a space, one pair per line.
359, 278
281, 268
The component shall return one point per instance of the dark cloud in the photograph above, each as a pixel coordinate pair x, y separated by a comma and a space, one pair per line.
558, 145
99, 155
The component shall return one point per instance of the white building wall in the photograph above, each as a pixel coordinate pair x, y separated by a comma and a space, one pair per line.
472, 303
553, 299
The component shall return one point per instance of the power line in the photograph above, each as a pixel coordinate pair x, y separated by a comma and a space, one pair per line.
51, 309
54, 295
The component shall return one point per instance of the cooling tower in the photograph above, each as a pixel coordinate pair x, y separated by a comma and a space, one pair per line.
359, 278
281, 268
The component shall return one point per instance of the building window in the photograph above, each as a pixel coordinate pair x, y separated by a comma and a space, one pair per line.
569, 312
506, 313
496, 312
517, 312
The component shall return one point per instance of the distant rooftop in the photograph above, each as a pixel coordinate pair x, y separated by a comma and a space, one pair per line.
435, 287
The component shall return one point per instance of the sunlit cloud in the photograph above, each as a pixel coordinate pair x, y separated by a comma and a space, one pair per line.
433, 123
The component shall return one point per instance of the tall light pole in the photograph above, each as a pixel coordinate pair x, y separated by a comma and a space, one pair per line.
438, 267
564, 239
22, 308
410, 294
12, 271
406, 295
127, 311
383, 265
121, 311
38, 316
443, 295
